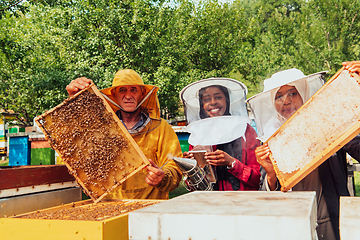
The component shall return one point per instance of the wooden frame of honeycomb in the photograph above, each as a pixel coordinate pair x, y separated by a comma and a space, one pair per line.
92, 141
89, 211
323, 125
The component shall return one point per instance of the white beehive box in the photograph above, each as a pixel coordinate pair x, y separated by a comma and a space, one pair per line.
349, 218
228, 215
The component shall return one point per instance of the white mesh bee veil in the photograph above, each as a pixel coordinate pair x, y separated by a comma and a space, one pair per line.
267, 119
205, 130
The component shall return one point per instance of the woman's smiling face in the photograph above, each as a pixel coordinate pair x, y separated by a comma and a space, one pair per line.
214, 102
287, 101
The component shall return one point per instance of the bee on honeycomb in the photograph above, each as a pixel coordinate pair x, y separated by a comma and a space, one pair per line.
81, 131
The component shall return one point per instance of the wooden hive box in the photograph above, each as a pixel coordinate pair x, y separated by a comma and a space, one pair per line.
106, 220
93, 143
323, 125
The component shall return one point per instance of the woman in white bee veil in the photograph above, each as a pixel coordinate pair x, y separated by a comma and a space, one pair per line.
284, 93
218, 119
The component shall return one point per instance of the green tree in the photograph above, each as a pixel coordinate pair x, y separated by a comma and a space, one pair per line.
268, 49
200, 43
46, 48
314, 36
171, 44
328, 34
31, 66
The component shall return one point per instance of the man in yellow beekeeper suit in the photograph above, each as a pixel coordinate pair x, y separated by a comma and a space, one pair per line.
137, 106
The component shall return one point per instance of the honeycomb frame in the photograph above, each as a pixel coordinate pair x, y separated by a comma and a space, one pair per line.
92, 142
311, 135
88, 211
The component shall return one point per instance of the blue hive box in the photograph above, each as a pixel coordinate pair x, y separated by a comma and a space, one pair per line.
19, 150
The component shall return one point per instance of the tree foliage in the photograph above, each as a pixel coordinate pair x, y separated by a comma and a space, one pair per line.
46, 44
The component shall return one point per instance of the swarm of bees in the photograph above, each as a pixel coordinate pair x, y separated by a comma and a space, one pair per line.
90, 212
89, 141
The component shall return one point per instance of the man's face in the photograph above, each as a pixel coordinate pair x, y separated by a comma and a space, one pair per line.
287, 101
214, 102
128, 97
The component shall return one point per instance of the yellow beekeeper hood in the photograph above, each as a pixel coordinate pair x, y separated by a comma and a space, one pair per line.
149, 104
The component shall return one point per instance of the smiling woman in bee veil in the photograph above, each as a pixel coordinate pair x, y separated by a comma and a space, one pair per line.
218, 121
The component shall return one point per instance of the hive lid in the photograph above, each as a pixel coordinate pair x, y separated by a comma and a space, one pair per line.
228, 215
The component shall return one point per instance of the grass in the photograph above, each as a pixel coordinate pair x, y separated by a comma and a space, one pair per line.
357, 183
180, 190
4, 163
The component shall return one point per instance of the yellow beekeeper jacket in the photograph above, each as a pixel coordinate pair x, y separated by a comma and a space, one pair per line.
157, 140
158, 145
